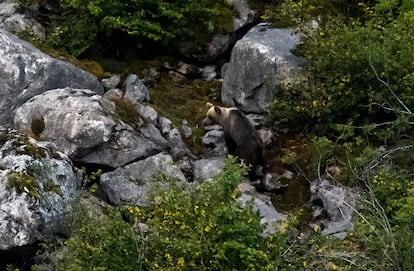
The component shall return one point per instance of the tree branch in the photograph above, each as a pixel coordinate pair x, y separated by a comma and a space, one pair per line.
390, 89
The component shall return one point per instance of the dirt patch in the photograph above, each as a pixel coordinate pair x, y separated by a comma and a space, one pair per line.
296, 197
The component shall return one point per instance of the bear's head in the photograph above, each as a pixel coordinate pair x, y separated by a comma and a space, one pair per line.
215, 114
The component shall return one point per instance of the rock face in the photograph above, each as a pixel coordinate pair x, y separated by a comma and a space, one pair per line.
37, 185
25, 72
270, 217
130, 184
260, 63
206, 169
336, 203
88, 128
11, 20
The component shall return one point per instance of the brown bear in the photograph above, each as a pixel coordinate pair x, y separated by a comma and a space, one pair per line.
241, 137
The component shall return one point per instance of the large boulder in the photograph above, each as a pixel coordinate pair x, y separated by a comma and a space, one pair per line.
130, 184
89, 128
26, 72
37, 186
260, 63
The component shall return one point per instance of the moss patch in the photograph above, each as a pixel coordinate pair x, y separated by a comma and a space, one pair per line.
37, 126
91, 66
23, 182
128, 114
49, 186
32, 149
185, 100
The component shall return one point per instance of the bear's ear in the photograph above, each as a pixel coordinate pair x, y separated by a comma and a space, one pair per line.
209, 105
217, 109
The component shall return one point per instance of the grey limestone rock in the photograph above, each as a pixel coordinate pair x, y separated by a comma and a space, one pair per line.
26, 72
135, 90
130, 184
37, 186
89, 129
260, 63
337, 203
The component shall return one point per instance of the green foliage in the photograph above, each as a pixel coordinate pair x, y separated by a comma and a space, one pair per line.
321, 152
356, 66
393, 187
358, 90
302, 12
91, 179
289, 157
146, 20
185, 228
383, 225
23, 182
205, 229
100, 244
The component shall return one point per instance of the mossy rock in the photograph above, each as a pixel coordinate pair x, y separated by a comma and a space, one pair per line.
93, 67
88, 65
127, 113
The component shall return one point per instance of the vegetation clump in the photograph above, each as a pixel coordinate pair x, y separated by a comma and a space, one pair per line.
183, 229
361, 71
23, 182
83, 22
356, 108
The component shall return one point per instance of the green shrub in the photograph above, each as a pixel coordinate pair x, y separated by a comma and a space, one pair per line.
186, 228
204, 228
347, 59
100, 244
86, 20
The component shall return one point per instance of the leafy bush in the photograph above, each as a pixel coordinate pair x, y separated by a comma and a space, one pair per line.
361, 75
86, 20
204, 228
100, 244
186, 228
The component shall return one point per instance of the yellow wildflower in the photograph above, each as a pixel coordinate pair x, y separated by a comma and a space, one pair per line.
316, 228
168, 256
181, 261
207, 229
243, 164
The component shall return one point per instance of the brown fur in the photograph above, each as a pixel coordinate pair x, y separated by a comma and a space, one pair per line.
241, 137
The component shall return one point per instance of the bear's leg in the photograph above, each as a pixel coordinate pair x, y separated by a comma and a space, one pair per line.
231, 146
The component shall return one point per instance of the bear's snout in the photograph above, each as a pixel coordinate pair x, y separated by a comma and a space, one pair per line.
207, 122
